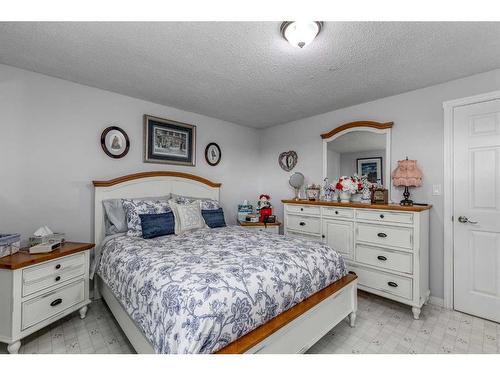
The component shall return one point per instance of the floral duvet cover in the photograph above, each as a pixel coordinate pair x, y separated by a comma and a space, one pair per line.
199, 291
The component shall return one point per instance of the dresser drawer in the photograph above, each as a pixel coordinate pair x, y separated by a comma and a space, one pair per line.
384, 282
385, 216
40, 308
309, 237
304, 224
384, 258
335, 212
385, 235
304, 210
51, 273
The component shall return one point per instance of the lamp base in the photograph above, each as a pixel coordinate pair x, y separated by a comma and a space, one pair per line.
406, 201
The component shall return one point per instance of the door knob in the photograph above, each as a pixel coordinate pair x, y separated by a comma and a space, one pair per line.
465, 219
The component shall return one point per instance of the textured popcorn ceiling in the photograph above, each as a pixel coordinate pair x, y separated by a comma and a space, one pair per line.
244, 72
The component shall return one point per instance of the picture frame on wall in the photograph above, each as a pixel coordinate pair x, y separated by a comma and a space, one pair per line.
169, 142
115, 142
372, 168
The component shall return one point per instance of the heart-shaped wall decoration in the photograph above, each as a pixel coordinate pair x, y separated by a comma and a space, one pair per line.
288, 160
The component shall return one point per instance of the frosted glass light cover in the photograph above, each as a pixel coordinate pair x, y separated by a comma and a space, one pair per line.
301, 33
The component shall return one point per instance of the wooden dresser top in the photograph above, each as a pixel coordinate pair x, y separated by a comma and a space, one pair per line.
391, 206
23, 258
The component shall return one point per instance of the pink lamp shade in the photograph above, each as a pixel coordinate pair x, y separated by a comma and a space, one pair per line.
407, 174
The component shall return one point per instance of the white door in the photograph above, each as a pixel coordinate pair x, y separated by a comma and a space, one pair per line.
338, 234
476, 160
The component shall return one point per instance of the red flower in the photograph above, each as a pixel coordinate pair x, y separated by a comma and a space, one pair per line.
338, 186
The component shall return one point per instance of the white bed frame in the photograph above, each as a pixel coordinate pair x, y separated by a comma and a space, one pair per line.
297, 336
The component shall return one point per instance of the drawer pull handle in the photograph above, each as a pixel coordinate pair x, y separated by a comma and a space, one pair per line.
58, 266
381, 216
393, 284
382, 235
302, 223
58, 278
56, 302
302, 209
381, 257
336, 212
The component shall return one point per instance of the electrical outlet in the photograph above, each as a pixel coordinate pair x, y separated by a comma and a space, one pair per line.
436, 189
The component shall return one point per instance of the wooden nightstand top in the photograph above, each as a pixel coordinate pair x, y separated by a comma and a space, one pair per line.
23, 258
258, 224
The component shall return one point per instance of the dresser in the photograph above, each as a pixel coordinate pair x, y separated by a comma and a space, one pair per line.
386, 246
38, 289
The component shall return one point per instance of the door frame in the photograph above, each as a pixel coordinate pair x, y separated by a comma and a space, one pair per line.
448, 246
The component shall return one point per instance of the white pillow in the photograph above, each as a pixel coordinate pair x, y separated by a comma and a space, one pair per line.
187, 216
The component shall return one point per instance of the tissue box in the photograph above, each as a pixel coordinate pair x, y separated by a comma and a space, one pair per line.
9, 244
55, 237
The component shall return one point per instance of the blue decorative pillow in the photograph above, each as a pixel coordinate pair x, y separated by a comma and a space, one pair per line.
214, 218
156, 225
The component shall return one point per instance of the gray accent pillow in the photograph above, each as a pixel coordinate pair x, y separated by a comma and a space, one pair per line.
115, 220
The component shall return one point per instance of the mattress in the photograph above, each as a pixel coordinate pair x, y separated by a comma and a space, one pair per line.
199, 291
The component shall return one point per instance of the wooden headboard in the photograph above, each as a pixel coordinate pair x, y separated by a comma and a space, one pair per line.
148, 184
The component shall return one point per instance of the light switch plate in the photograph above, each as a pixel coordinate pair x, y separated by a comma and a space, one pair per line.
436, 189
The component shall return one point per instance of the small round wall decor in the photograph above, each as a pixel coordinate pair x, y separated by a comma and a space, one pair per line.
213, 154
288, 160
115, 142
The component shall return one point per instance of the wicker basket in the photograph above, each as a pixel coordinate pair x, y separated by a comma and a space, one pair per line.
9, 244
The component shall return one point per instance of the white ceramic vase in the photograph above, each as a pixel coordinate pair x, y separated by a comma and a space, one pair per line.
345, 196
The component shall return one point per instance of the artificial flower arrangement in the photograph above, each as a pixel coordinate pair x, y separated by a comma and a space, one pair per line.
350, 184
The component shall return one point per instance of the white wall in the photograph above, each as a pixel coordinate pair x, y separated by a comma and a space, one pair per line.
50, 151
417, 132
349, 163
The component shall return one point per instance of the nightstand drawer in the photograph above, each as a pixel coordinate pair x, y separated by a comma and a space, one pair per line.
384, 282
336, 212
303, 210
51, 273
385, 235
384, 258
385, 216
304, 224
40, 308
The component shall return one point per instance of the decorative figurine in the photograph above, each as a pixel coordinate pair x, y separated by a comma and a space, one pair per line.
264, 207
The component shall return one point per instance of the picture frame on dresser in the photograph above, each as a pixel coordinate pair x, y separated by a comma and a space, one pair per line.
386, 246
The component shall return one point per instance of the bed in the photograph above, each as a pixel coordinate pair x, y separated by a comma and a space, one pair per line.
220, 290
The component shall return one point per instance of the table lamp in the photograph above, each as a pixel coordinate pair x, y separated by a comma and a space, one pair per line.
407, 174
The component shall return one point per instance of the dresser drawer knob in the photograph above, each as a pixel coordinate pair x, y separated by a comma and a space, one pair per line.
58, 278
336, 212
381, 257
302, 223
322, 236
56, 302
302, 209
381, 216
382, 235
393, 284
58, 266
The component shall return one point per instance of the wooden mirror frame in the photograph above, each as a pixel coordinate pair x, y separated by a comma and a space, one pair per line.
370, 126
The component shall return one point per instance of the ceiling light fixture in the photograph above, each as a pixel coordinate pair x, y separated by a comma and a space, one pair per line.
300, 33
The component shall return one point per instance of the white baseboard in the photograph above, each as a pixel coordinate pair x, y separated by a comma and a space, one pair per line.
436, 301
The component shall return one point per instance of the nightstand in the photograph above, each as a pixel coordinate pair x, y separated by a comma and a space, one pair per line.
269, 227
38, 289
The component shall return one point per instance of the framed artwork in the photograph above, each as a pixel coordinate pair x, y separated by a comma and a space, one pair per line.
372, 168
169, 142
115, 142
213, 154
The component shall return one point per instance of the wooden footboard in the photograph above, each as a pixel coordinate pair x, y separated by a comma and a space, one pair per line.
300, 327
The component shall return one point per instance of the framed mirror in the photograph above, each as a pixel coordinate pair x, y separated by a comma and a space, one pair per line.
361, 147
